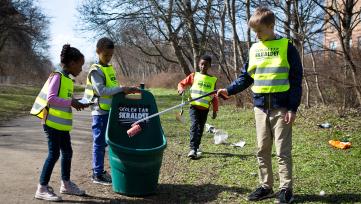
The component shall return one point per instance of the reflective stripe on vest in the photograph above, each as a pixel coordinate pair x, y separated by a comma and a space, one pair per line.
202, 84
57, 117
110, 81
41, 101
269, 67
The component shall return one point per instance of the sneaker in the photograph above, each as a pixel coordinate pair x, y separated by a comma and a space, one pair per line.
284, 196
104, 179
46, 193
192, 154
68, 187
260, 194
199, 152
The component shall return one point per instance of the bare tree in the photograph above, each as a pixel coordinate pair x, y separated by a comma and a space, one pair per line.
23, 38
307, 27
344, 16
178, 23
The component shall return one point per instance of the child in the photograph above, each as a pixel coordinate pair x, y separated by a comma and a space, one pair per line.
53, 106
201, 83
275, 70
101, 86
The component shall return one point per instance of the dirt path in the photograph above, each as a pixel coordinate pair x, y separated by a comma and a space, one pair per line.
23, 148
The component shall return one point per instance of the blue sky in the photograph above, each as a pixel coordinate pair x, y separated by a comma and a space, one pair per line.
63, 25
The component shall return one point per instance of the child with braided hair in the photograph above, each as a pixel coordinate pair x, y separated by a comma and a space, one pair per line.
53, 106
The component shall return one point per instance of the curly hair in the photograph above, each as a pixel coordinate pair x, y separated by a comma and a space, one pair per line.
207, 58
69, 54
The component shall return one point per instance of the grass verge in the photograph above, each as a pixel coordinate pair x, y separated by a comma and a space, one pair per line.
16, 100
227, 174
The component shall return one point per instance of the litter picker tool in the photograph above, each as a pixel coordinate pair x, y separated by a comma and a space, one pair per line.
179, 115
136, 127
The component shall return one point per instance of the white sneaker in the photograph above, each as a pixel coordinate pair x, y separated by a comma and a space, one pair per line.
68, 187
192, 154
46, 193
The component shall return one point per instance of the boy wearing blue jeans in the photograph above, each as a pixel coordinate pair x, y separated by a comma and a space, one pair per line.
275, 70
101, 86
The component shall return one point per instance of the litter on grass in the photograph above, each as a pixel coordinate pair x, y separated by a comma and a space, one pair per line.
220, 137
210, 128
241, 144
325, 125
339, 144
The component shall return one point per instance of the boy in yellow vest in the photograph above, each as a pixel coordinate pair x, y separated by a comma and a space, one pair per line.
201, 83
101, 86
275, 70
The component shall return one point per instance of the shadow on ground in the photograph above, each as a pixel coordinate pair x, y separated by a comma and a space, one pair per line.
226, 154
334, 198
173, 193
187, 193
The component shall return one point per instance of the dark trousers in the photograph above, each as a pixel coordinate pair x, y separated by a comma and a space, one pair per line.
57, 141
198, 120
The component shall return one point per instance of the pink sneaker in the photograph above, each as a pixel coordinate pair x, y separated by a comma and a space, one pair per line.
68, 187
46, 193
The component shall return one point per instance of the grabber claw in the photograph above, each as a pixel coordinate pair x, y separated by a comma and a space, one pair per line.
135, 129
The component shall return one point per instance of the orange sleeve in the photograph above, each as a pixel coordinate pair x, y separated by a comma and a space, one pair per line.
215, 101
188, 81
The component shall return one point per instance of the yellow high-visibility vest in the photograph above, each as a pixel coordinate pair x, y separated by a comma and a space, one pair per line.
57, 117
202, 84
110, 81
269, 67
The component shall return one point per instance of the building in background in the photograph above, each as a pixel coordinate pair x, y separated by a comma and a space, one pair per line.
332, 39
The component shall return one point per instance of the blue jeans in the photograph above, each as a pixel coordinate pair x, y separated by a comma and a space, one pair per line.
99, 127
57, 141
198, 120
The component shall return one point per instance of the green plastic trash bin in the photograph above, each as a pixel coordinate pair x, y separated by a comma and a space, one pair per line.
135, 162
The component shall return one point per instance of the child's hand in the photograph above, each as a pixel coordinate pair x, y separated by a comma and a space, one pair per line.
290, 117
77, 105
214, 115
223, 93
131, 90
180, 91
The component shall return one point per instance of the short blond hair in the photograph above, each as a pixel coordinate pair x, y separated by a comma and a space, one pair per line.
262, 16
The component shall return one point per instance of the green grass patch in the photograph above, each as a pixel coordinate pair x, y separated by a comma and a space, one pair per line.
226, 174
229, 174
16, 100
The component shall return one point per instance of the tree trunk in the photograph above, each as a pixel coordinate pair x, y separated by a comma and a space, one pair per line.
222, 36
122, 66
287, 23
317, 84
248, 15
232, 18
187, 6
307, 103
179, 55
